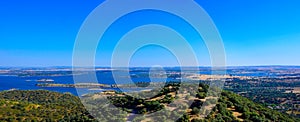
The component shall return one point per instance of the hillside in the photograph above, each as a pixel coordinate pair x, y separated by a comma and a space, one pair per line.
51, 106
41, 106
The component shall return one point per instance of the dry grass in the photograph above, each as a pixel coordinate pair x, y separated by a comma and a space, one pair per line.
235, 113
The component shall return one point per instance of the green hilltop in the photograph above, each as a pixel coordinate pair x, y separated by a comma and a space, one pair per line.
49, 106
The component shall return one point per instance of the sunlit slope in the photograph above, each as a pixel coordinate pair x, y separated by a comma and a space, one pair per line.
52, 106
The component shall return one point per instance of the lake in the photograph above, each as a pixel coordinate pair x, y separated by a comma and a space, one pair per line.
29, 82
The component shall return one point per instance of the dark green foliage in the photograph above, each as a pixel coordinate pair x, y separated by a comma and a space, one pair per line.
184, 118
195, 111
197, 120
143, 106
250, 111
34, 106
41, 106
201, 95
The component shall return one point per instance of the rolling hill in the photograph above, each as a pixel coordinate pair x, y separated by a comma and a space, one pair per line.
43, 105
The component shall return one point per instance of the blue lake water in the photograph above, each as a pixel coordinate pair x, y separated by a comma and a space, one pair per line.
105, 77
29, 83
21, 83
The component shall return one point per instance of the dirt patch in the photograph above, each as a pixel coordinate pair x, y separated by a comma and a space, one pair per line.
235, 113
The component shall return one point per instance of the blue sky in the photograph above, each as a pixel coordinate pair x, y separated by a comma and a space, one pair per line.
254, 32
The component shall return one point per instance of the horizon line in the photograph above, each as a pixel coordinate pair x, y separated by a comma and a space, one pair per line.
97, 66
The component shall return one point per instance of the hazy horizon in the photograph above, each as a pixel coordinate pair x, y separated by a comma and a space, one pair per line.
149, 66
